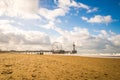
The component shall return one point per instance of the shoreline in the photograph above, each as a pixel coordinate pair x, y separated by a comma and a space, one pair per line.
89, 55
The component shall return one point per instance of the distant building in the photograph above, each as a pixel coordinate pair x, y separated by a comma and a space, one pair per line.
74, 50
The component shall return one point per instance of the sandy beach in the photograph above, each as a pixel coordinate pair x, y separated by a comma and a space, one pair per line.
57, 67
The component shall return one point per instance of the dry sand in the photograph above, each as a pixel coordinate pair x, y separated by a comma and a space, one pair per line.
57, 67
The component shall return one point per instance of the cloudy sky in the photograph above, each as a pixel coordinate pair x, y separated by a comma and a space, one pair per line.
94, 25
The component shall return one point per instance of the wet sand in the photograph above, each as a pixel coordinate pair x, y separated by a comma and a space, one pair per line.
57, 67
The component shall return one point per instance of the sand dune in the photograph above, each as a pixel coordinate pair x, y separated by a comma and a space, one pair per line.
57, 67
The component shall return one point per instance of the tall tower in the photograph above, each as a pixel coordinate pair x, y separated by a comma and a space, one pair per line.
74, 51
73, 46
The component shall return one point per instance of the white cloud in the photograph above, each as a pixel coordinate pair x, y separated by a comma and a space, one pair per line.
81, 5
19, 39
116, 40
19, 8
84, 18
92, 10
103, 34
71, 3
52, 14
5, 21
50, 25
98, 19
